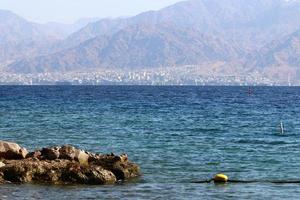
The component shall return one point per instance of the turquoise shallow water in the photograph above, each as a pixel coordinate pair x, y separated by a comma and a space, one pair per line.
177, 134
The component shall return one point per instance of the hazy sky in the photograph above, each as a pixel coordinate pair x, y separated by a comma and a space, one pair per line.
67, 11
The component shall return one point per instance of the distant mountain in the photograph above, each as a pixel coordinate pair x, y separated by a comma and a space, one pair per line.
283, 52
15, 29
135, 47
64, 30
280, 58
20, 38
256, 35
252, 23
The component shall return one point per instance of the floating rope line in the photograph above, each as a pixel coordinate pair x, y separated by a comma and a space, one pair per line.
252, 181
221, 178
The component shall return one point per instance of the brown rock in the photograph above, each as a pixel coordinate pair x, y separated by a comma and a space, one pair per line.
119, 165
36, 154
94, 175
50, 153
71, 153
9, 150
123, 158
67, 152
56, 172
68, 165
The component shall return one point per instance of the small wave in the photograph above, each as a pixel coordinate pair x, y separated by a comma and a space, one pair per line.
213, 163
205, 129
249, 141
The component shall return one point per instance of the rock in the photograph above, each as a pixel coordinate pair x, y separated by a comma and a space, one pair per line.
119, 165
71, 153
9, 150
94, 175
36, 154
50, 153
67, 152
61, 172
125, 170
67, 165
2, 181
82, 157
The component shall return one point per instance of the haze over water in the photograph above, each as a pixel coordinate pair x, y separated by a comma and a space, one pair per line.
177, 134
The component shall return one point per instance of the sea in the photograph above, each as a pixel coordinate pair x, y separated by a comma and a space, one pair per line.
177, 134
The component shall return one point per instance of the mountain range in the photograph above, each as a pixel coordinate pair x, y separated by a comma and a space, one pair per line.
256, 35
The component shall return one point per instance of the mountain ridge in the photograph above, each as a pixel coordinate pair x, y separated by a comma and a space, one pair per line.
194, 32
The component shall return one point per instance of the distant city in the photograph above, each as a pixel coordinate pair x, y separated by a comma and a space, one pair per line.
167, 76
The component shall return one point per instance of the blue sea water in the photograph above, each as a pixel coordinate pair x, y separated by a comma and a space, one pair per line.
176, 134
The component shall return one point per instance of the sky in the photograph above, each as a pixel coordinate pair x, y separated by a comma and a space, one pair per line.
68, 11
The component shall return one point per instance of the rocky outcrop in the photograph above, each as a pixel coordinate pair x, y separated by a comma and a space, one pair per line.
55, 172
67, 165
9, 150
119, 165
66, 152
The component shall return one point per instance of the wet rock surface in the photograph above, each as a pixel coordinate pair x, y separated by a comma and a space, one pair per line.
65, 165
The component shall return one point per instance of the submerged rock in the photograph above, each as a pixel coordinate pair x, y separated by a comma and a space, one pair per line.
67, 165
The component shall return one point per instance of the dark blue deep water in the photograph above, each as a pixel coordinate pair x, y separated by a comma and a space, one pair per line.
177, 134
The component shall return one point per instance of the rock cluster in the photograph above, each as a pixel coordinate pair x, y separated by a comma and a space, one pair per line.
62, 165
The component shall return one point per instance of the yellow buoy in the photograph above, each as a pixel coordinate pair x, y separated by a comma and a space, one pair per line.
220, 178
